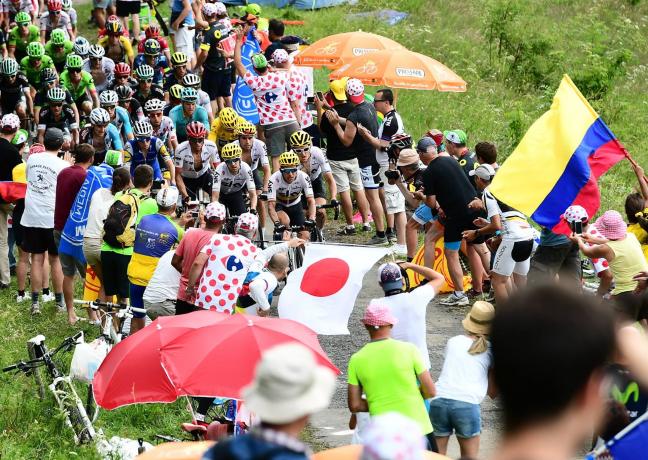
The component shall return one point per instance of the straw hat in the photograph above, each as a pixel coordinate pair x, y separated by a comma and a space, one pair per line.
479, 320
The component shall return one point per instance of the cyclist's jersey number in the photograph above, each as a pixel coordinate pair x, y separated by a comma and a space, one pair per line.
225, 182
184, 159
289, 194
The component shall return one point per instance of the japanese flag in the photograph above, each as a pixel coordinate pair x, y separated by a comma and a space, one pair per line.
321, 294
230, 257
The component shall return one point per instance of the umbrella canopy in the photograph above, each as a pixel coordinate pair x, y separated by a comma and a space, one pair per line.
220, 359
401, 69
336, 50
132, 372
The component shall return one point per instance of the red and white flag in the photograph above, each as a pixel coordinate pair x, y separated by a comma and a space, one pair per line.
321, 294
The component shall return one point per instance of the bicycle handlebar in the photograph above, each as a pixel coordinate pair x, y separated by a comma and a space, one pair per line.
332, 205
24, 366
108, 306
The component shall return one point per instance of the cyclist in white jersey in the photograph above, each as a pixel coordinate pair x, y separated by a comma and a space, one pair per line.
163, 129
233, 178
255, 154
193, 162
285, 190
314, 163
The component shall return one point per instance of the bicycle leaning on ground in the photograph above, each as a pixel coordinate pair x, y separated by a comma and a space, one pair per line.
60, 385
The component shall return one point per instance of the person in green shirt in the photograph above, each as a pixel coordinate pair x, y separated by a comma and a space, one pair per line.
115, 260
79, 83
389, 372
58, 48
35, 61
22, 35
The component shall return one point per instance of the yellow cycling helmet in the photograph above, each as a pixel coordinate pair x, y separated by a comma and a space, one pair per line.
300, 140
176, 91
244, 127
228, 118
231, 151
289, 160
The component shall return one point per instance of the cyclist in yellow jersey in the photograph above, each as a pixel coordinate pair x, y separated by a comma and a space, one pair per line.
118, 48
223, 128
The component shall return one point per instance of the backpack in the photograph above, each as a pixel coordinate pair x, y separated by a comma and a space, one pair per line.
119, 226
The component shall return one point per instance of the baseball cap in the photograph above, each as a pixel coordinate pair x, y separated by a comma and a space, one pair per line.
20, 137
167, 197
355, 90
407, 157
337, 88
485, 172
259, 61
53, 135
390, 277
425, 143
279, 56
215, 212
378, 314
456, 136
114, 158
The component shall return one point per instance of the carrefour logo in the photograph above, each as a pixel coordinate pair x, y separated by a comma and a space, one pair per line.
405, 72
363, 51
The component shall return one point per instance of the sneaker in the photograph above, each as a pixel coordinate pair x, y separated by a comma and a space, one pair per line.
60, 308
454, 299
48, 297
35, 309
21, 298
377, 240
366, 227
390, 235
346, 231
472, 293
399, 249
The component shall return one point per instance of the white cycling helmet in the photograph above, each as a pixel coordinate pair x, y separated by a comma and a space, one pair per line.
97, 51
142, 129
154, 105
81, 46
99, 116
108, 97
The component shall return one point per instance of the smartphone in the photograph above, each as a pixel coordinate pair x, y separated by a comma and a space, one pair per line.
577, 227
320, 95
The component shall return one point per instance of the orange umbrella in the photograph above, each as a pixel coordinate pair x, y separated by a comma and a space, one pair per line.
336, 50
401, 69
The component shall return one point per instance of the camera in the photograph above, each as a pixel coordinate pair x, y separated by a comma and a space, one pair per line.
577, 227
156, 187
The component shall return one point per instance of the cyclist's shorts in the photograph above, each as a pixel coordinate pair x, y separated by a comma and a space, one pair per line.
370, 177
295, 213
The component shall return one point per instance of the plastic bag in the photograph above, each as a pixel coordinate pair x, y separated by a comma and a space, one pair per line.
87, 358
122, 448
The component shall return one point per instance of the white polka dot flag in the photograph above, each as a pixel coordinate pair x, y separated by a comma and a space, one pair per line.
321, 294
230, 257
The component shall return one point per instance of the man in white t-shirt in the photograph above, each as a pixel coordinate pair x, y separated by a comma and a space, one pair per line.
409, 307
38, 218
162, 289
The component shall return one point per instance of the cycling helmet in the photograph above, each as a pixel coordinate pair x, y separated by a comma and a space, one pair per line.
401, 141
196, 130
176, 91
152, 31
35, 50
152, 47
54, 5
74, 61
209, 9
231, 151
244, 127
108, 97
154, 105
81, 46
114, 28
220, 8
9, 67
58, 37
178, 58
124, 93
390, 277
189, 95
144, 72
122, 69
67, 4
22, 18
99, 116
247, 224
48, 74
228, 118
10, 122
142, 129
56, 94
300, 139
289, 160
97, 52
191, 79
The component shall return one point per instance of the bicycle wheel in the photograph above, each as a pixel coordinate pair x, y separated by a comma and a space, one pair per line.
75, 415
36, 372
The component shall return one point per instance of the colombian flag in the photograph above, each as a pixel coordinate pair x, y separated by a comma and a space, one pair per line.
559, 161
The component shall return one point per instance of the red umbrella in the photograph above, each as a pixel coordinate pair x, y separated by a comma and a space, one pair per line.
132, 373
219, 359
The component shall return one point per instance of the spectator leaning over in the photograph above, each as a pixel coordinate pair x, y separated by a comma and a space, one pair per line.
288, 387
464, 382
9, 159
342, 158
190, 246
273, 101
555, 255
389, 373
100, 203
68, 184
162, 289
38, 218
363, 115
115, 259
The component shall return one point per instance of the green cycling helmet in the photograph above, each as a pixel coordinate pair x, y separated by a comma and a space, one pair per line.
58, 37
74, 61
189, 95
22, 18
9, 67
35, 50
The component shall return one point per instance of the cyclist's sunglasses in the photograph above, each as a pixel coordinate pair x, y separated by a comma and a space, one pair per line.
24, 24
146, 80
74, 70
109, 107
56, 104
300, 151
288, 170
143, 139
196, 140
232, 161
55, 12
